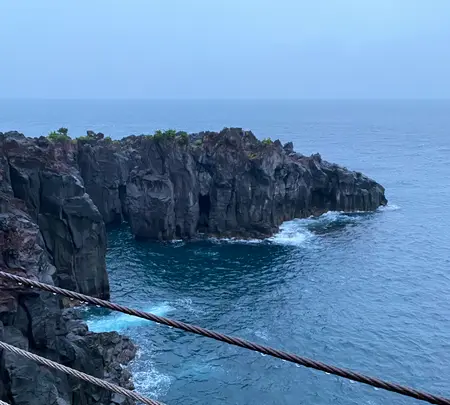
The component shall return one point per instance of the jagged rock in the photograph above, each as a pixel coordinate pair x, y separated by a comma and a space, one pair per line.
51, 231
225, 184
288, 147
47, 180
105, 172
33, 320
56, 197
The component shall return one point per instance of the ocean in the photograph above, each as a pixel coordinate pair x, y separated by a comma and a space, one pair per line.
370, 292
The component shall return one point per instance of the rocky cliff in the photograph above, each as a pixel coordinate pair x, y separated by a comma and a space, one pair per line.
50, 230
225, 184
56, 195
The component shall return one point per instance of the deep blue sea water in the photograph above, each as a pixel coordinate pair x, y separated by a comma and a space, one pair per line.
369, 292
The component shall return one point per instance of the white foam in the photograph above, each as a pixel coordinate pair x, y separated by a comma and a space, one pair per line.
389, 207
236, 240
330, 216
296, 232
151, 381
187, 305
119, 322
262, 334
292, 233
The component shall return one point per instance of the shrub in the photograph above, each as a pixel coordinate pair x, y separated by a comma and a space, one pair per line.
107, 139
63, 131
89, 137
59, 136
158, 135
198, 142
169, 134
183, 138
267, 141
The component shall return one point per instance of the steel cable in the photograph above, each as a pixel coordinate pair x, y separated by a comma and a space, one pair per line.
78, 374
303, 361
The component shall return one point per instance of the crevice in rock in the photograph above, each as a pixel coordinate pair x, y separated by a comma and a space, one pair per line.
47, 248
65, 218
31, 341
162, 154
122, 198
178, 231
320, 201
204, 206
232, 195
15, 180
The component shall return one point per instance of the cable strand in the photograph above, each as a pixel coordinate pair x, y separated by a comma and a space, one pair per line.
78, 374
293, 358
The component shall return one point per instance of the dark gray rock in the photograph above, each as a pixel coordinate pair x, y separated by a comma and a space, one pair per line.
51, 231
33, 321
288, 147
105, 171
47, 180
56, 197
224, 184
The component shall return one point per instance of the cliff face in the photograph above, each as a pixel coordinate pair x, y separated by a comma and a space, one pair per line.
55, 198
225, 184
46, 179
51, 231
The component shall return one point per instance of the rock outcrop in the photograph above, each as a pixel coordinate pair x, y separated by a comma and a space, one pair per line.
51, 231
57, 195
44, 176
223, 184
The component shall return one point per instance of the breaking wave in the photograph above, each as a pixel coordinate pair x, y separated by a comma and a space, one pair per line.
119, 322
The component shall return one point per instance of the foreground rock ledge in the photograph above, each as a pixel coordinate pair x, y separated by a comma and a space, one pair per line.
50, 230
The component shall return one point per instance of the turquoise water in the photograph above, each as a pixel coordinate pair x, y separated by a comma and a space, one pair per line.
364, 291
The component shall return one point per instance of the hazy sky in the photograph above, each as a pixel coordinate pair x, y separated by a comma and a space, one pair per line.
225, 49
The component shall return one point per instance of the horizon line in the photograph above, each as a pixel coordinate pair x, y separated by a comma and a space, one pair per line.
225, 99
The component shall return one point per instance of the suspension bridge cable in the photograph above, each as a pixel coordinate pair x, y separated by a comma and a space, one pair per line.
293, 358
79, 374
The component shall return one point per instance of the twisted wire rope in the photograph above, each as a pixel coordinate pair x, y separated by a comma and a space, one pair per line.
78, 374
290, 357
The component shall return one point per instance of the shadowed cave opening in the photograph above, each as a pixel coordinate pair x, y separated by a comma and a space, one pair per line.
204, 207
122, 198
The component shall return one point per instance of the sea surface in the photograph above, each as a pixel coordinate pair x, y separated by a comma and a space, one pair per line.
369, 292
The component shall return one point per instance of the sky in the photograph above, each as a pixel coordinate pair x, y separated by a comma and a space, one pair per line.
231, 49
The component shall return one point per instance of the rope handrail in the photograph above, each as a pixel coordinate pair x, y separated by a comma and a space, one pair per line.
78, 374
290, 357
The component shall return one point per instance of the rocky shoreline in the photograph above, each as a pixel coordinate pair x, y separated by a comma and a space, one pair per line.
223, 184
57, 195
